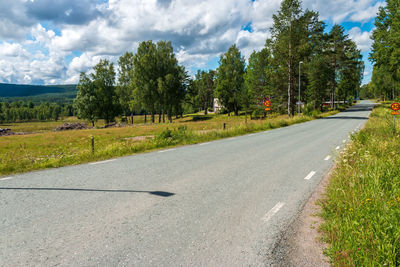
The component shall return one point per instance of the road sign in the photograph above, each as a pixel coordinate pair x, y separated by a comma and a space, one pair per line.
395, 106
268, 109
267, 103
395, 113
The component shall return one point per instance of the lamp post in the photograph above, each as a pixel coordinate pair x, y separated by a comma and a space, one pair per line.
301, 62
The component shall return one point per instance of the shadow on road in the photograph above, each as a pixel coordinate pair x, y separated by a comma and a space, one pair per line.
157, 193
344, 117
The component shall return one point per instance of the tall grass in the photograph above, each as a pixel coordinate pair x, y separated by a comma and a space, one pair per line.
362, 204
21, 153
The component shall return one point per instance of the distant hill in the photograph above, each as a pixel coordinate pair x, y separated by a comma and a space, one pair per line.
38, 93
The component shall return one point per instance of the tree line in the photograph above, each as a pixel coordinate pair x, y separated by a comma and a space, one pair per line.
23, 111
385, 54
327, 66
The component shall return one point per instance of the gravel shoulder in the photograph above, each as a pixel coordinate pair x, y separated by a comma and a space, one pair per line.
301, 244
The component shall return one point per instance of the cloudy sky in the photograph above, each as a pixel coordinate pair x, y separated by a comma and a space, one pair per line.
52, 41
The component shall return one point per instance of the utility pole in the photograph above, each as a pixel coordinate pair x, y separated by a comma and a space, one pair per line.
301, 62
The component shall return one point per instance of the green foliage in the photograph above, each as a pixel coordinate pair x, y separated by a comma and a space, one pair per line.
385, 53
86, 100
159, 83
204, 84
21, 111
230, 82
362, 205
257, 77
97, 97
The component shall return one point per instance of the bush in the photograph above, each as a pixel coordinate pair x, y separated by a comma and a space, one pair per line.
309, 110
168, 137
350, 100
257, 113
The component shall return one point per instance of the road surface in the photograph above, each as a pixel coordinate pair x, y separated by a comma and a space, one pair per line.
222, 203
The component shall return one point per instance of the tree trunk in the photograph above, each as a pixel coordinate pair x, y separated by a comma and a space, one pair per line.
93, 124
205, 108
145, 117
132, 117
152, 117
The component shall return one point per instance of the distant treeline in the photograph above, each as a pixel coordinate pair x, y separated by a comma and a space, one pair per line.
21, 111
60, 94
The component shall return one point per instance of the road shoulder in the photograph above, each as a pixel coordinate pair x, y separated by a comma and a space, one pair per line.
301, 244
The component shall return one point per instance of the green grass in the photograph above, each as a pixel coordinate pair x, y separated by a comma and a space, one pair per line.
21, 153
361, 208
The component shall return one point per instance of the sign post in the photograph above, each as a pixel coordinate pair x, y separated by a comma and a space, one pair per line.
267, 104
395, 111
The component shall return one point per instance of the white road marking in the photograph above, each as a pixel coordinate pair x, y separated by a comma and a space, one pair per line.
328, 157
6, 178
338, 147
162, 151
272, 211
344, 141
101, 162
311, 174
202, 144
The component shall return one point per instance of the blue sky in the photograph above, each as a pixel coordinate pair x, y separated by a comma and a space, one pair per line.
51, 42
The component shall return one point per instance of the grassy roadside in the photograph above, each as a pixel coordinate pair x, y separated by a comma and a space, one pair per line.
361, 208
21, 153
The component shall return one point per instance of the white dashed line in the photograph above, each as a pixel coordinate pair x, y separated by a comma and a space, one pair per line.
310, 175
328, 157
338, 147
101, 162
6, 178
202, 144
272, 211
162, 151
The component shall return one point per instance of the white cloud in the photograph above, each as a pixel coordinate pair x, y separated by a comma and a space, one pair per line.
199, 30
362, 39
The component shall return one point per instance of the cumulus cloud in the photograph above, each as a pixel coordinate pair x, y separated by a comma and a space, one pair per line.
199, 30
362, 39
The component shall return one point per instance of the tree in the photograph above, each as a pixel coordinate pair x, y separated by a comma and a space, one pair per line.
86, 99
145, 77
103, 80
230, 81
204, 83
287, 35
123, 89
385, 53
157, 78
257, 77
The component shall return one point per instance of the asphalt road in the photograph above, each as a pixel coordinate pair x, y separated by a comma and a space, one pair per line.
222, 203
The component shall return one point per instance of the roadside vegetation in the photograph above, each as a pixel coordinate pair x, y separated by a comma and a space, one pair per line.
21, 153
362, 205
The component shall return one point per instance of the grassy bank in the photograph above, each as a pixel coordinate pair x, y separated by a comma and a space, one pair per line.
362, 205
21, 153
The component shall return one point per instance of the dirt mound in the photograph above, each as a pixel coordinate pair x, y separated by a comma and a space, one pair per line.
71, 126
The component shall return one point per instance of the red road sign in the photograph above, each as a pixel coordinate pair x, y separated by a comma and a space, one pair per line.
267, 103
395, 106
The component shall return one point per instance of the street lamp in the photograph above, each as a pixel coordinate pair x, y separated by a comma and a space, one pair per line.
301, 62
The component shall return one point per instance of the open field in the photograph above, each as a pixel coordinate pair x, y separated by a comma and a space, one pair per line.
362, 205
21, 153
